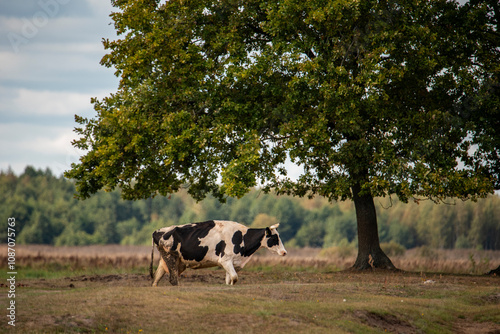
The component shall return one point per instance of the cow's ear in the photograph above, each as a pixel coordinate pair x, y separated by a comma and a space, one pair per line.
268, 232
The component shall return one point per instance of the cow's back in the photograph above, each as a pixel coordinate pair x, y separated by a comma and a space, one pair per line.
202, 244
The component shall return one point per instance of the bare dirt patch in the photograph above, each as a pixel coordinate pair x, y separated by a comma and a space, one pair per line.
467, 327
386, 322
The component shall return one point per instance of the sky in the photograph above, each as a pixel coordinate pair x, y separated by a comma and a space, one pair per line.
49, 70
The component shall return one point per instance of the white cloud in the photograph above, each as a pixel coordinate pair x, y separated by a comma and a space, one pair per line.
44, 106
48, 76
41, 146
8, 24
36, 128
9, 64
101, 7
53, 65
48, 103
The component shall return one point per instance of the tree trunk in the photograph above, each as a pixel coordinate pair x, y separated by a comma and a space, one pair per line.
369, 252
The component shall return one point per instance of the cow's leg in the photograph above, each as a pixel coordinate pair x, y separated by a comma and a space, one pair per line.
172, 262
181, 267
231, 275
160, 272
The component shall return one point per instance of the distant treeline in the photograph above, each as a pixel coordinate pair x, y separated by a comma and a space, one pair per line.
47, 213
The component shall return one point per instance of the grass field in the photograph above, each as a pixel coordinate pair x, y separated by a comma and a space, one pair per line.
106, 289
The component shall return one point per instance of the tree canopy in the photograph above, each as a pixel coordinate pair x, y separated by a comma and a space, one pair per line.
371, 98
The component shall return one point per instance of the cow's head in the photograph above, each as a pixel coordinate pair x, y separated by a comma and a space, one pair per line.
272, 240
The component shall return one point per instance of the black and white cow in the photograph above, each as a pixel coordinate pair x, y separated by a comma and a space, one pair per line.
208, 244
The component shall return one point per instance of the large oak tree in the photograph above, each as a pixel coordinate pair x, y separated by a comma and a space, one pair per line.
371, 98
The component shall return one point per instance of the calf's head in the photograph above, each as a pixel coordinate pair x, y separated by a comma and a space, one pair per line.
272, 240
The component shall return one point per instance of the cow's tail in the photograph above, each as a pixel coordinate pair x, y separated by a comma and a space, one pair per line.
152, 255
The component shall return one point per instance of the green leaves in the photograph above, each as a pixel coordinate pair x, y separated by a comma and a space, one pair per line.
240, 173
216, 95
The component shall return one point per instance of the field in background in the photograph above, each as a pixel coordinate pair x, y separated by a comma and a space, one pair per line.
40, 258
106, 289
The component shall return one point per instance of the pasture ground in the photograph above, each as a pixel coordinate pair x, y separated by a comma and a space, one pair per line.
272, 296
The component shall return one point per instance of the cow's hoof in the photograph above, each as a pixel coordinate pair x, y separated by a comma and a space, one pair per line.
174, 280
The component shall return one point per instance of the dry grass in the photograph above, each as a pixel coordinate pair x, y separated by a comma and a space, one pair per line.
127, 257
263, 302
83, 257
301, 293
459, 261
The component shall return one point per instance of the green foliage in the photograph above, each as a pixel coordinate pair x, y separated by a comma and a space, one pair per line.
343, 249
392, 248
216, 95
339, 227
46, 213
262, 220
371, 98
